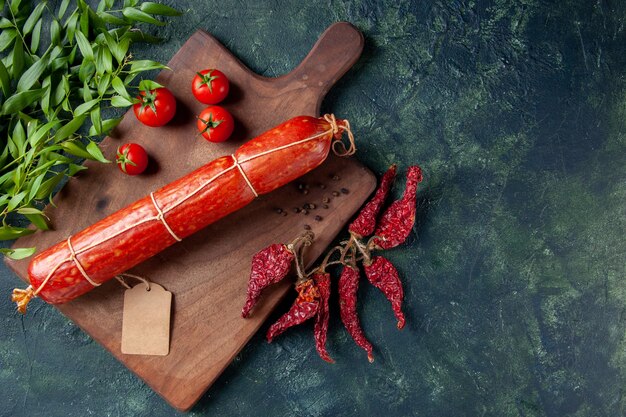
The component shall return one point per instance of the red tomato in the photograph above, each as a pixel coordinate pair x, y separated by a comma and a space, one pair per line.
210, 86
132, 159
156, 107
216, 124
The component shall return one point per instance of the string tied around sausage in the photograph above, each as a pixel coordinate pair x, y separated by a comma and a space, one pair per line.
336, 128
161, 217
243, 174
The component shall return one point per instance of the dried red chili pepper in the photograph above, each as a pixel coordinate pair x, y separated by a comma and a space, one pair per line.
396, 223
322, 280
306, 306
384, 276
365, 222
348, 287
269, 266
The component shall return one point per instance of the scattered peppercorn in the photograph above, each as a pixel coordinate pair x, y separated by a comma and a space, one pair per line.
336, 193
325, 200
336, 178
307, 227
279, 210
305, 192
296, 209
345, 191
305, 211
318, 218
284, 213
323, 186
325, 206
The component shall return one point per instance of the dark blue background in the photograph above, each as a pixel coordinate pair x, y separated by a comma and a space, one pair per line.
515, 273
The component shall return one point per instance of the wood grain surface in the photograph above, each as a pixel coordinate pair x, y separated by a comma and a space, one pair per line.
208, 272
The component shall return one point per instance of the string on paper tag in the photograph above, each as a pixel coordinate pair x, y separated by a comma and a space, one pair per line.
146, 318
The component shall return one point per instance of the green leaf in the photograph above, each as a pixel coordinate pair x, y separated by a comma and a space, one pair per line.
118, 49
86, 92
28, 210
84, 20
48, 186
109, 18
84, 45
55, 32
38, 220
147, 85
139, 36
119, 101
32, 74
21, 100
76, 148
18, 253
15, 6
96, 122
6, 38
19, 136
68, 129
10, 233
41, 133
63, 8
107, 126
85, 107
5, 80
5, 23
159, 9
145, 65
104, 83
73, 169
139, 16
95, 152
71, 25
35, 37
104, 60
17, 60
3, 157
16, 199
120, 88
87, 70
36, 184
32, 20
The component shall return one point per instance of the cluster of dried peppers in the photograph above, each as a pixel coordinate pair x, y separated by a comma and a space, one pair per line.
273, 263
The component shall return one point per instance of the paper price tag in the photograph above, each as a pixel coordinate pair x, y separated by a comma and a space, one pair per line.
146, 320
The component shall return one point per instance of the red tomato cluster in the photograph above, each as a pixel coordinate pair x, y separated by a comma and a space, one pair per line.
215, 123
157, 107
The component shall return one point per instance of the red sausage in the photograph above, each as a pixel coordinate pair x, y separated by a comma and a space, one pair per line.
135, 233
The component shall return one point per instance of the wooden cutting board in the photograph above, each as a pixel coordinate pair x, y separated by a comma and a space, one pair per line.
208, 272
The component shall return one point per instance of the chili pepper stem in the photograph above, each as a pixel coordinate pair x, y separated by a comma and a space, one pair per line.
362, 248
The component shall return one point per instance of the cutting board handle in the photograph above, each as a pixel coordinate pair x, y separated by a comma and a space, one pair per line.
337, 49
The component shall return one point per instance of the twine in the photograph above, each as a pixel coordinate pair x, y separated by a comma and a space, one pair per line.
120, 278
243, 174
161, 217
78, 264
22, 296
